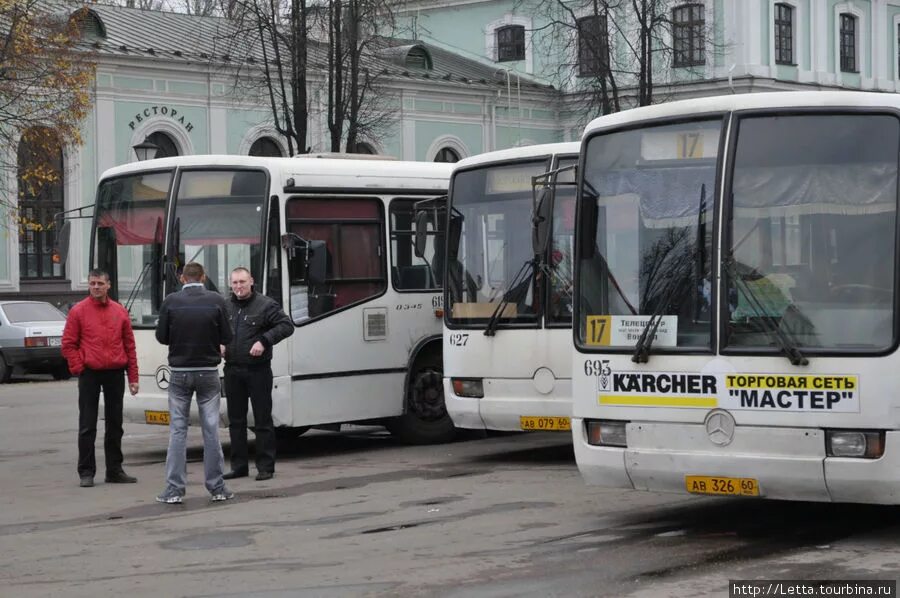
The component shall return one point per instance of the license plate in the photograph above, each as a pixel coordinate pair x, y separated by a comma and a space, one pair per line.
157, 417
538, 424
54, 341
720, 486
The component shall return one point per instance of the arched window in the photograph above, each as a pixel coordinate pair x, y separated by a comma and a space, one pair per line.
446, 154
41, 183
167, 147
265, 146
364, 148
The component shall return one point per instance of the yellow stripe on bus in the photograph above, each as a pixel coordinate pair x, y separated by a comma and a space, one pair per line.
644, 401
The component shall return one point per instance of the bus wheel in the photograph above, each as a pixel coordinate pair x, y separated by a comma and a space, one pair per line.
426, 420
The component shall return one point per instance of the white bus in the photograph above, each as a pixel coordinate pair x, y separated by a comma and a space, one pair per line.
329, 239
508, 323
736, 323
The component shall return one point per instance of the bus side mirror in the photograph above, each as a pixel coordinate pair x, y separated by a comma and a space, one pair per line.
421, 235
61, 247
316, 262
540, 222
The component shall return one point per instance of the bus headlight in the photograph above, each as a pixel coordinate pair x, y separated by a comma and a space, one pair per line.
864, 444
605, 432
467, 387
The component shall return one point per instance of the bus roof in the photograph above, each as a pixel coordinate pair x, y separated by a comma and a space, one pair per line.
519, 153
319, 173
729, 103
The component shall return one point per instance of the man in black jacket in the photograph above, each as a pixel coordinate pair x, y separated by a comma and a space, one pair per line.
257, 323
193, 324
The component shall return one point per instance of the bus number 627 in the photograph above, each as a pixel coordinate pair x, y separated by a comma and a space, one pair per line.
459, 339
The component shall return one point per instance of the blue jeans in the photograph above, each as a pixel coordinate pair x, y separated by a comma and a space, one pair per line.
182, 387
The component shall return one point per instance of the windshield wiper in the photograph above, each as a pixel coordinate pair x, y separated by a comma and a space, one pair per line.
645, 340
788, 345
677, 278
518, 288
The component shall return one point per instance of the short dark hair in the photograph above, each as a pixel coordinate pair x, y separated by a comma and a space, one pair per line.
192, 271
99, 273
242, 269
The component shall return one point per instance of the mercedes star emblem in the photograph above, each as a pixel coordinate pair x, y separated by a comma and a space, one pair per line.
162, 377
720, 427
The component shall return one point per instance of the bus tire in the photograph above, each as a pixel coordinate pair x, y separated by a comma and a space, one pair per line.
425, 420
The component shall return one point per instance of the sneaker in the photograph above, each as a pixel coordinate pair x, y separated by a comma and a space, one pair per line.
86, 482
169, 499
222, 496
120, 477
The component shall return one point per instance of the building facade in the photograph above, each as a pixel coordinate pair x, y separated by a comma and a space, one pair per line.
467, 76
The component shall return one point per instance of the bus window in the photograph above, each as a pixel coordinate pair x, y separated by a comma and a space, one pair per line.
351, 230
273, 254
408, 271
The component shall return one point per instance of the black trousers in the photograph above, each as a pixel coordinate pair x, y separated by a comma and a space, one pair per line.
253, 383
90, 382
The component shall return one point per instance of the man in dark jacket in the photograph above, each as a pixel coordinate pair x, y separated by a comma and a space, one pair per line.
98, 344
258, 323
193, 324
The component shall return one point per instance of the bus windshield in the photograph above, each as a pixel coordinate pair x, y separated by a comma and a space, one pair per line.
812, 232
649, 195
489, 245
129, 223
217, 221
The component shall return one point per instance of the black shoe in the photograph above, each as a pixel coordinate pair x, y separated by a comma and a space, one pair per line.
264, 475
87, 482
230, 475
120, 477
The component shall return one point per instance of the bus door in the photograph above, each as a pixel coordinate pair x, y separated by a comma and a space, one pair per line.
348, 358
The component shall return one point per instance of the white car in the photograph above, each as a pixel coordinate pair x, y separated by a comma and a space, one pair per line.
31, 339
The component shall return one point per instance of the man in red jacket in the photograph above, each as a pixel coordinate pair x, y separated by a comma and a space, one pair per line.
98, 344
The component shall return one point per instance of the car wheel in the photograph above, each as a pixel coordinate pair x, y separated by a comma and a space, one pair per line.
5, 371
62, 373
